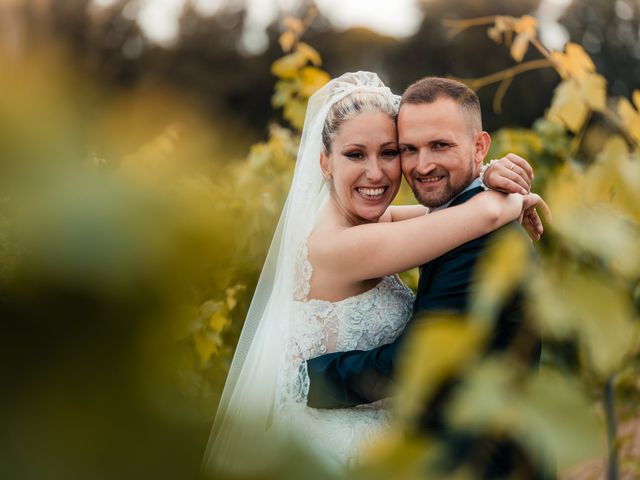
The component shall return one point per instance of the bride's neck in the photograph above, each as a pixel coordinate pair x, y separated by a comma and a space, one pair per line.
343, 216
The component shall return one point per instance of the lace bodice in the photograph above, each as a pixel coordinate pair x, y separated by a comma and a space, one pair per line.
361, 322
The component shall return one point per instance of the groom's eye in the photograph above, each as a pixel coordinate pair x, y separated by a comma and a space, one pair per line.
439, 145
406, 149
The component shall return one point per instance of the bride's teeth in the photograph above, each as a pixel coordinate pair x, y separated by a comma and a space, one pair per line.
371, 192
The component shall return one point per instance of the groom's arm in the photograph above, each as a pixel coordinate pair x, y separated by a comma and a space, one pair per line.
346, 379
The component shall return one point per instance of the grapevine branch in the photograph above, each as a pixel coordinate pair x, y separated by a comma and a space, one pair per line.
476, 83
506, 76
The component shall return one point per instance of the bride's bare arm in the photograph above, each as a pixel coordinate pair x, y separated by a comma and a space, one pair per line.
377, 249
510, 174
398, 213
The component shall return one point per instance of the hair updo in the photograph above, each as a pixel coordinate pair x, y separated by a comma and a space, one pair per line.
351, 106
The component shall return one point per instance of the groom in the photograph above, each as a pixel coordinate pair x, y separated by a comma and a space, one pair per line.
442, 148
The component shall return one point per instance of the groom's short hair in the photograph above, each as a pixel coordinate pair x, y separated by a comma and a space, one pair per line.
429, 89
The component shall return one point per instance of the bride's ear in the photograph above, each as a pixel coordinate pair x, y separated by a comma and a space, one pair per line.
325, 165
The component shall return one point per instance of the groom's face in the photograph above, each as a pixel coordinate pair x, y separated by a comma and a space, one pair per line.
439, 150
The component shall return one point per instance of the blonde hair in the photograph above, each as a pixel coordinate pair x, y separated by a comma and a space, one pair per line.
350, 107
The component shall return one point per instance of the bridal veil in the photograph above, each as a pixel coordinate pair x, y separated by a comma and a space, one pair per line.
246, 426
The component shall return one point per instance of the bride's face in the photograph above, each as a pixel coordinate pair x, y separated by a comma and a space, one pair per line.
364, 166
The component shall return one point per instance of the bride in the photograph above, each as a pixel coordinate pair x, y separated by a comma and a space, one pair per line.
329, 280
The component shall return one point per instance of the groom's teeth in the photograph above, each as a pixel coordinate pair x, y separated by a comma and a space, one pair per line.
371, 192
430, 179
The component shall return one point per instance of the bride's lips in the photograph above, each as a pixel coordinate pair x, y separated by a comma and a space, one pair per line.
372, 193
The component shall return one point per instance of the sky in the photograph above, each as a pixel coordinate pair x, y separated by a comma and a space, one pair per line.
398, 18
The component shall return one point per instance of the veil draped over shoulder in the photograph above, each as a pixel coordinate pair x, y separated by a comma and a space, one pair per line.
245, 429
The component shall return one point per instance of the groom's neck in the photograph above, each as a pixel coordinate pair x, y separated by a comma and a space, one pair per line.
473, 183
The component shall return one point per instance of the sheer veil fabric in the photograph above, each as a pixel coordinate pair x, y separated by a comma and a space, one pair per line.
246, 436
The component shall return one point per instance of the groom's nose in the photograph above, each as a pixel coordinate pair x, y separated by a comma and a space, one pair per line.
425, 164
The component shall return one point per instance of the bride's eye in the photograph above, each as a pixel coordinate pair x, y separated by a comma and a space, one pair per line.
354, 155
390, 153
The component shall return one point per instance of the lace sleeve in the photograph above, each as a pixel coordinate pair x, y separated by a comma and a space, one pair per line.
313, 332
303, 272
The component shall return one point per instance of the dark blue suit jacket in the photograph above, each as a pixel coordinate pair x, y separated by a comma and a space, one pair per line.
346, 379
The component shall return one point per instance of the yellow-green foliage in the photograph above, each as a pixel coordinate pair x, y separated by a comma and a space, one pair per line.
297, 71
584, 295
126, 222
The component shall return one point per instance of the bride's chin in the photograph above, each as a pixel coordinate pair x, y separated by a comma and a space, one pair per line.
358, 213
372, 215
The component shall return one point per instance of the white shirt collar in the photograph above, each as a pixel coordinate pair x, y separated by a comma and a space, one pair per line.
474, 184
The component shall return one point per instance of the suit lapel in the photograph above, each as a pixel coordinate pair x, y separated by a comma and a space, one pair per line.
464, 196
426, 270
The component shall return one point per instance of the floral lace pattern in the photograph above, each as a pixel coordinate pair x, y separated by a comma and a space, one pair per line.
360, 322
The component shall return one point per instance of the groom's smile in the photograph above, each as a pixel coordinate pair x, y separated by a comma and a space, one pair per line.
438, 150
434, 179
429, 179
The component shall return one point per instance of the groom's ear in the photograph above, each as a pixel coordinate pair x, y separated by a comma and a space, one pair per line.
481, 147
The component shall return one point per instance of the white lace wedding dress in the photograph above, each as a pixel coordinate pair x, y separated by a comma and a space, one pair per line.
267, 383
361, 322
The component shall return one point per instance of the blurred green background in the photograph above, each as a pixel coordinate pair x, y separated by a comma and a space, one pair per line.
142, 172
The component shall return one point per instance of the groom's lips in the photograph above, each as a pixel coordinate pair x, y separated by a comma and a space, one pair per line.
430, 180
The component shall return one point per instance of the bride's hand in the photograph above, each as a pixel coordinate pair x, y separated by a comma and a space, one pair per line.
530, 219
503, 208
510, 174
515, 206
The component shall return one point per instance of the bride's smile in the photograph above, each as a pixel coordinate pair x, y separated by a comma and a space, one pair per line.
363, 167
372, 193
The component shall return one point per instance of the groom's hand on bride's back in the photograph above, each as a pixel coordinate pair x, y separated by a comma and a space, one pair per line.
510, 174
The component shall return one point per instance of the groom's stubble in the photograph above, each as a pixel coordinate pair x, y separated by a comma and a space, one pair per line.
446, 193
441, 139
434, 123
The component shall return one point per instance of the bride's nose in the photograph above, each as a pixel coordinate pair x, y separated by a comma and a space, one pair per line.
374, 170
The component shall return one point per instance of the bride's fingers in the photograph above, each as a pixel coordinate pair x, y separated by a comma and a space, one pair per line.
536, 222
532, 224
515, 173
514, 168
501, 178
530, 229
530, 200
517, 178
522, 164
546, 211
534, 200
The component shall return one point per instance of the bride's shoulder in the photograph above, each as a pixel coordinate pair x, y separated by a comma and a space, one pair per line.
320, 241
